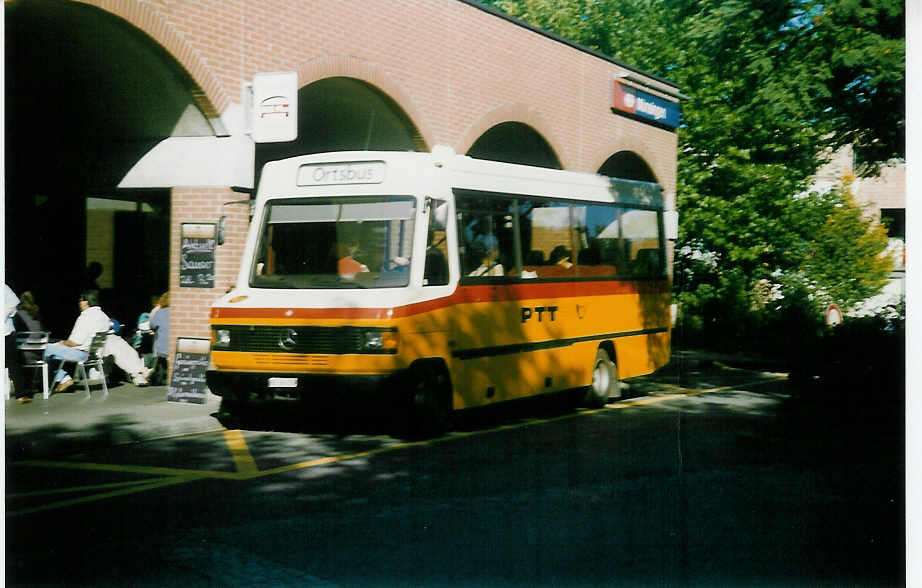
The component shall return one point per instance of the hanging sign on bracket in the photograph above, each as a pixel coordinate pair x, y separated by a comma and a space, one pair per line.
271, 106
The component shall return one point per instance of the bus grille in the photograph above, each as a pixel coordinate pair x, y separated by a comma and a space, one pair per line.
301, 340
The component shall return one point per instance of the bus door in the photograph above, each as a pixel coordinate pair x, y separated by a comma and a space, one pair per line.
486, 327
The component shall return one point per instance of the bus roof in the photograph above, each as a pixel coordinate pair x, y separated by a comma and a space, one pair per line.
493, 176
400, 172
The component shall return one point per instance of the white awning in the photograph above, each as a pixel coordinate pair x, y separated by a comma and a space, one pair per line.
198, 162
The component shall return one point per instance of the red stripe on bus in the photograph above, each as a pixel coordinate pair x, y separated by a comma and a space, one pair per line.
462, 295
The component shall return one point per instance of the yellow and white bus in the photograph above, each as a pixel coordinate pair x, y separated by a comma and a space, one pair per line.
442, 283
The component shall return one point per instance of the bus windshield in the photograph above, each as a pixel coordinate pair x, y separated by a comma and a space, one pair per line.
351, 242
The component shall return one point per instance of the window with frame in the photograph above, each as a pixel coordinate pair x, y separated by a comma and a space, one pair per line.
547, 239
538, 238
485, 234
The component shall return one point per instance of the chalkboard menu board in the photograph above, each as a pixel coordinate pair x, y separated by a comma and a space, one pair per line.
188, 381
196, 250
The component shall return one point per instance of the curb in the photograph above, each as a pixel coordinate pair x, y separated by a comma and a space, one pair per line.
69, 423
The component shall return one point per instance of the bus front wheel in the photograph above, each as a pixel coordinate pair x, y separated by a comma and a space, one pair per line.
430, 406
604, 381
234, 411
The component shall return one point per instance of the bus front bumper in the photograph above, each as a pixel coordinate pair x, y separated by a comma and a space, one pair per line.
255, 387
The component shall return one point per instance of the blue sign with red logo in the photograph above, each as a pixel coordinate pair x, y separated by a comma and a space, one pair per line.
645, 105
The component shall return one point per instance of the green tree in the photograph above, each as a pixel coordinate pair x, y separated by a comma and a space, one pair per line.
846, 254
861, 46
771, 84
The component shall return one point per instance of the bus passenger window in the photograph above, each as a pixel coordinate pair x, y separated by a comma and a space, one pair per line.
599, 240
485, 228
435, 272
641, 242
547, 241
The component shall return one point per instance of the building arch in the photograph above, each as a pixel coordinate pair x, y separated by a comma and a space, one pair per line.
95, 86
210, 96
374, 75
513, 120
342, 113
628, 165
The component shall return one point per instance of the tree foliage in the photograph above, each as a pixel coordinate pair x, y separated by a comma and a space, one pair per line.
861, 46
771, 84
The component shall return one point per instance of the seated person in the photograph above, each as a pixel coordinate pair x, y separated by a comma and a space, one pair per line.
29, 314
347, 266
29, 318
127, 359
160, 323
560, 256
91, 321
489, 265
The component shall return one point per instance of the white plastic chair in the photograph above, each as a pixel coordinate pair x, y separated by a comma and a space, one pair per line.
34, 341
94, 358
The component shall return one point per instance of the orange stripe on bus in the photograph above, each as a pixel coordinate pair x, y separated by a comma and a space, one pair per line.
462, 295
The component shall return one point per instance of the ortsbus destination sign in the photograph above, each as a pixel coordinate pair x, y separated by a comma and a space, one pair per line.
347, 172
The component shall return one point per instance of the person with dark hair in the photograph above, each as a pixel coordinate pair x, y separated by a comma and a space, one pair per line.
91, 321
160, 324
29, 314
28, 319
561, 256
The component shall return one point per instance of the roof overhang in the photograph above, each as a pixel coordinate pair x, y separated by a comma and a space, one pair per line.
195, 162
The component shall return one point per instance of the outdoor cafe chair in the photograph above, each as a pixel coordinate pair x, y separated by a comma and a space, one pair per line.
31, 346
94, 359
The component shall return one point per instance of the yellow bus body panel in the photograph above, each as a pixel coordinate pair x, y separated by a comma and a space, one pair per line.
497, 343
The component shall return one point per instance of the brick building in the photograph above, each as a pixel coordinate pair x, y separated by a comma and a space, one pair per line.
125, 120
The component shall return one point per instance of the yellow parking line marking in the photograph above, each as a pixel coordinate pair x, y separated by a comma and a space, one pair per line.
454, 436
74, 489
240, 452
97, 497
247, 469
132, 469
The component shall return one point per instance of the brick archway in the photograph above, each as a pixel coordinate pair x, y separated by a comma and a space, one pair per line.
376, 76
635, 150
210, 95
631, 164
515, 112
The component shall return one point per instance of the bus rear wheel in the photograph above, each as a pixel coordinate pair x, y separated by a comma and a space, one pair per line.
430, 404
604, 381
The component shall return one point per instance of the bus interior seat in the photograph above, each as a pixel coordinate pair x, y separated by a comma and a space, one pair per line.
436, 269
589, 257
534, 257
647, 262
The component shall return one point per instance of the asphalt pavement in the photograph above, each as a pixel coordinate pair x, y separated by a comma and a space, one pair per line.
69, 423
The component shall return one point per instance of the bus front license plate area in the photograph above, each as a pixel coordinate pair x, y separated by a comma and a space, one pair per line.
283, 382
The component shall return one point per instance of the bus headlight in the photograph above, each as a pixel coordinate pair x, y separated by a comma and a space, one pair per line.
222, 338
380, 341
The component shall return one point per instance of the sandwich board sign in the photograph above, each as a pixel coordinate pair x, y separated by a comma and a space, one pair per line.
187, 383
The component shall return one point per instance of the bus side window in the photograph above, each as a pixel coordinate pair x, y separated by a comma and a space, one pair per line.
485, 229
599, 236
435, 272
640, 233
547, 241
